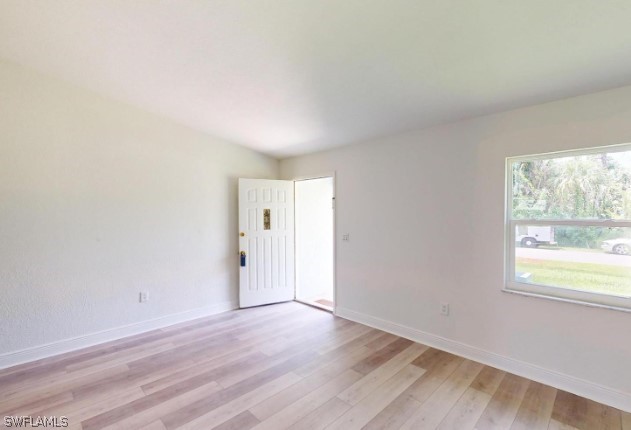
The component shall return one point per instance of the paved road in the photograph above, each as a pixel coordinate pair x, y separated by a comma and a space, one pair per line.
575, 256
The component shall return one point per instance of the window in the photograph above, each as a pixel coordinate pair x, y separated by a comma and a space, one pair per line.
569, 226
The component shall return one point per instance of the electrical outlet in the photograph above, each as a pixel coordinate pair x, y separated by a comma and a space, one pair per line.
143, 297
346, 237
444, 309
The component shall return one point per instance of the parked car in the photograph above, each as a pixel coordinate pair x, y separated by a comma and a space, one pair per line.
620, 246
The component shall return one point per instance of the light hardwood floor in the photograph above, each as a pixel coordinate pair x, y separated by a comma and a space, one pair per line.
285, 366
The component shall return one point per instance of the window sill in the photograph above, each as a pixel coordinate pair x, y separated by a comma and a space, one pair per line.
565, 300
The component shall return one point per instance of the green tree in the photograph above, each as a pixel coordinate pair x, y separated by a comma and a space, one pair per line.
593, 186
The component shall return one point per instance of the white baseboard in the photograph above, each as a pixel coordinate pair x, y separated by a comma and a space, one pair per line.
66, 345
574, 385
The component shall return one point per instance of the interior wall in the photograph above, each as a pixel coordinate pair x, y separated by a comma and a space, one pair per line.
425, 213
314, 238
99, 201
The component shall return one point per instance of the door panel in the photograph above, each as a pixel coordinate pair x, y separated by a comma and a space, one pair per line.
266, 235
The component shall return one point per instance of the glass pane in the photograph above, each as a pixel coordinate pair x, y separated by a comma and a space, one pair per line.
593, 259
595, 186
266, 219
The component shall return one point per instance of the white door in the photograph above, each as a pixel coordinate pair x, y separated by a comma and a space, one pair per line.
266, 241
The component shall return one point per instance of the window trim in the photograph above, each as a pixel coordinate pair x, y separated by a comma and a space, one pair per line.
510, 225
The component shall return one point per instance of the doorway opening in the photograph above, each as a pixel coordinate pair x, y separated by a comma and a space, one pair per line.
314, 226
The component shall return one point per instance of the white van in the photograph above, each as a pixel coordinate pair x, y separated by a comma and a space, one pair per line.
531, 236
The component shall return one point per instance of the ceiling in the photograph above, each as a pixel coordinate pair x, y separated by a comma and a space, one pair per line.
288, 77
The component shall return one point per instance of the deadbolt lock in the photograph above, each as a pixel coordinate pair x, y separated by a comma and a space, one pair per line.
242, 234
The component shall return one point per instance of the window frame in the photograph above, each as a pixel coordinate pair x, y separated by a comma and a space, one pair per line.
510, 226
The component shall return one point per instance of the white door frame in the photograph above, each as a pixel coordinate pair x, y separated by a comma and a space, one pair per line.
307, 178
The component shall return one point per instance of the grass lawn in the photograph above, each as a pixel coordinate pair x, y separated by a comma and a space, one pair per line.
598, 278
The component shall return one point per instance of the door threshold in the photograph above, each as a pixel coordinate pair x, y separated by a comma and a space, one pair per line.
316, 305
